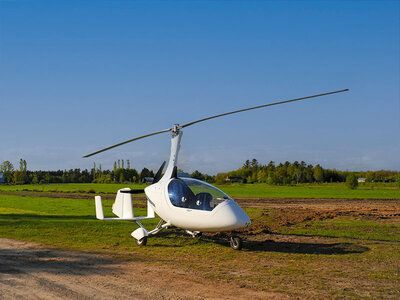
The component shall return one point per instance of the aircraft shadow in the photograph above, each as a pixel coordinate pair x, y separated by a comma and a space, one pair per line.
269, 245
304, 248
312, 247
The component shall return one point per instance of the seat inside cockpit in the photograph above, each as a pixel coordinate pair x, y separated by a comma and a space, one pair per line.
194, 194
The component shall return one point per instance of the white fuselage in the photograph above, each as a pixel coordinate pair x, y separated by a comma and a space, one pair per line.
226, 216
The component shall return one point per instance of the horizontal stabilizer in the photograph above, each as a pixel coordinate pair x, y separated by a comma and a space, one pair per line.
127, 219
133, 191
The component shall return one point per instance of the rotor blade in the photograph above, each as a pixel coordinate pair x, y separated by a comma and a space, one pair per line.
128, 141
133, 192
260, 106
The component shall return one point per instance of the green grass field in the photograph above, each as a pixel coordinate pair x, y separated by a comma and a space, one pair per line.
331, 190
347, 227
363, 255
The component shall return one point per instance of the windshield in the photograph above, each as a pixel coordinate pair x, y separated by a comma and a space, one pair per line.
195, 194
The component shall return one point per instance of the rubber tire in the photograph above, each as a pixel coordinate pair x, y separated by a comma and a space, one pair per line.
142, 241
197, 235
236, 243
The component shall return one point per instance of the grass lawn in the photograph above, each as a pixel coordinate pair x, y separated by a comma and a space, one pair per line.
360, 258
328, 190
347, 227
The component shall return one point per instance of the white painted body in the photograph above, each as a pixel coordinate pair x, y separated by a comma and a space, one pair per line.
225, 216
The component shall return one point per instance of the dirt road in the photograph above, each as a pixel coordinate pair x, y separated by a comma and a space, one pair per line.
28, 271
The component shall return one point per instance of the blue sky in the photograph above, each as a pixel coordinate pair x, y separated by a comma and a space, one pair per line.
77, 76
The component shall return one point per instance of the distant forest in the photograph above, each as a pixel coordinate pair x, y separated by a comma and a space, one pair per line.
251, 172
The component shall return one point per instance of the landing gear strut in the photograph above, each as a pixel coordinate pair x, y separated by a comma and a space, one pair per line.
141, 233
194, 234
236, 242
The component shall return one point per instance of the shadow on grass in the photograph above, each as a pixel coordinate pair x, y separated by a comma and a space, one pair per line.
267, 245
304, 248
312, 247
23, 261
32, 216
167, 245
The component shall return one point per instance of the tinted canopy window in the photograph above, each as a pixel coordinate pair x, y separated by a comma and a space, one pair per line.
194, 194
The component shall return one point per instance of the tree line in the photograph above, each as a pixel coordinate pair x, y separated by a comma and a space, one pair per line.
251, 172
122, 173
299, 172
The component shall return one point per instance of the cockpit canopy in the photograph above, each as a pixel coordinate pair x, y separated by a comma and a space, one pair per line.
195, 194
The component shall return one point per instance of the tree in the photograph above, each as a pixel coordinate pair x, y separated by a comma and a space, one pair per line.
107, 178
7, 169
308, 174
220, 178
22, 168
246, 164
369, 176
318, 173
271, 178
48, 177
35, 179
145, 173
121, 177
297, 176
261, 176
196, 174
398, 180
94, 170
254, 163
271, 166
18, 177
351, 181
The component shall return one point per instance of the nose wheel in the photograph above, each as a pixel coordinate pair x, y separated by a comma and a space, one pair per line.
236, 242
142, 241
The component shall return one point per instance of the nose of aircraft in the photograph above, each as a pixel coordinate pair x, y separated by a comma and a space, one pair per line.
233, 216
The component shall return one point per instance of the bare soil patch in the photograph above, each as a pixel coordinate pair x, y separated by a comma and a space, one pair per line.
29, 271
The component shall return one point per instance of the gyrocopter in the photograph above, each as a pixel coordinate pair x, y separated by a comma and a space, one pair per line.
186, 203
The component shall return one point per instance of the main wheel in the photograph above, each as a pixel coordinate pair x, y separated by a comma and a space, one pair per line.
142, 241
236, 242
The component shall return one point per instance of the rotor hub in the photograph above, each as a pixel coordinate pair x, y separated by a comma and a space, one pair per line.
175, 130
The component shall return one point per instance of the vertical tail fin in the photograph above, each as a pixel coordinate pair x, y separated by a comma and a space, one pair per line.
99, 208
122, 206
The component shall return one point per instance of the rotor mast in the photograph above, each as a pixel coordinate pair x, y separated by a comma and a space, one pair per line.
176, 136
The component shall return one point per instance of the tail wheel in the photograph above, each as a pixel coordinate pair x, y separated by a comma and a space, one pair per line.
236, 242
142, 241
